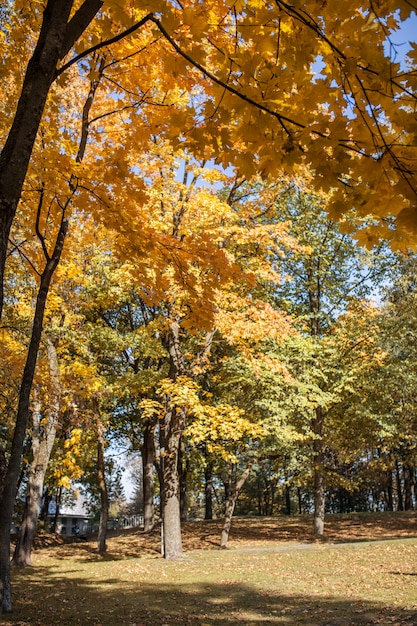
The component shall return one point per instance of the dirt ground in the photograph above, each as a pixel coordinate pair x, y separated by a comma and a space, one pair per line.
259, 531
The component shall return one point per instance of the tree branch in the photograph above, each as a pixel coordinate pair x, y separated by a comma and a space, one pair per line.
78, 23
103, 44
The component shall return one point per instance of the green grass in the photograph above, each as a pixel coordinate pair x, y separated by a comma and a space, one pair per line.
372, 582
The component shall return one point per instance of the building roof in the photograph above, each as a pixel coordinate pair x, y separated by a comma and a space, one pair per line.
76, 507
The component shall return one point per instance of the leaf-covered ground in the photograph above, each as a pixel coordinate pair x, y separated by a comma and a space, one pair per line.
364, 572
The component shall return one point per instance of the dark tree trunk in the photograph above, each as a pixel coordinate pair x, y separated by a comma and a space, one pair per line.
43, 437
28, 527
3, 468
399, 487
58, 500
231, 503
101, 477
273, 495
266, 495
259, 494
159, 467
43, 515
227, 488
390, 495
408, 487
300, 502
208, 490
287, 500
148, 460
183, 472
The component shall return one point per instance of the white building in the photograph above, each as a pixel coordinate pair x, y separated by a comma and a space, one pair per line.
73, 519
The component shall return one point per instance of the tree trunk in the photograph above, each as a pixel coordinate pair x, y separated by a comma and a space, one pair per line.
3, 468
208, 490
273, 495
148, 460
408, 487
43, 515
318, 460
182, 473
43, 437
171, 514
231, 503
13, 469
173, 427
259, 494
58, 500
400, 506
319, 498
287, 500
390, 495
101, 478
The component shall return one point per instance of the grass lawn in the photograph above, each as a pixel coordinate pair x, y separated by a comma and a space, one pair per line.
267, 576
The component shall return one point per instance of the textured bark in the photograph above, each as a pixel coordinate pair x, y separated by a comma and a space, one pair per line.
101, 477
173, 427
174, 423
148, 460
231, 503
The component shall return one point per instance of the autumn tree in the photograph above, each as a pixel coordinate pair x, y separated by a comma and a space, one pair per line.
249, 62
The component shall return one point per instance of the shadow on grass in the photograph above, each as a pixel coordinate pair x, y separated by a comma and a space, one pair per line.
45, 598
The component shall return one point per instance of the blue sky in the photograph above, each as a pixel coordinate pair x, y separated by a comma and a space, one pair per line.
402, 37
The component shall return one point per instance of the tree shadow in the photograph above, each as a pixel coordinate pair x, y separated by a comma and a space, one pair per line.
44, 597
